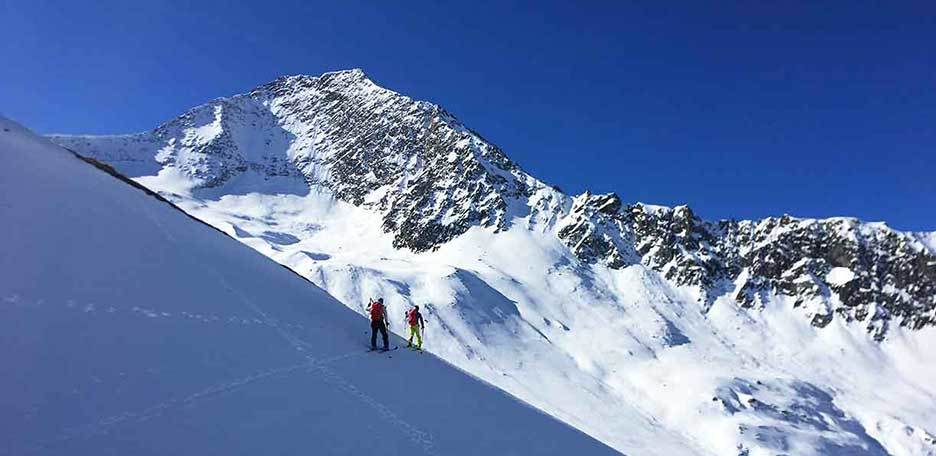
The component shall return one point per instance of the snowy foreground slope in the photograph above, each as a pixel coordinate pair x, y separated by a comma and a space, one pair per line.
646, 327
126, 327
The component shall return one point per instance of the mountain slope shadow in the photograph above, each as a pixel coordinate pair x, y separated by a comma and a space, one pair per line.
483, 307
780, 414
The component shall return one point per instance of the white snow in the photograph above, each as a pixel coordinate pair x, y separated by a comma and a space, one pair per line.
928, 239
839, 276
126, 327
620, 354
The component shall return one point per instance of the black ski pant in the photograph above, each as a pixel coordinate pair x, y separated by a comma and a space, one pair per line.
381, 326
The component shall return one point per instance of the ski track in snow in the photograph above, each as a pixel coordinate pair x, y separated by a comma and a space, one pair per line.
312, 365
420, 438
90, 309
103, 426
316, 366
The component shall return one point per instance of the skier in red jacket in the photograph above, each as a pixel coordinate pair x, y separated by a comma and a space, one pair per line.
379, 322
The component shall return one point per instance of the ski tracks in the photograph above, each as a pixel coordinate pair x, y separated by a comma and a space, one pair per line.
103, 426
420, 438
319, 367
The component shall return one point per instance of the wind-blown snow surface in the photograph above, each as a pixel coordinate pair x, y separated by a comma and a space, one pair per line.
622, 354
127, 327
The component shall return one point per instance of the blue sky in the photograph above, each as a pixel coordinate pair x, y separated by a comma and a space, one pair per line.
740, 110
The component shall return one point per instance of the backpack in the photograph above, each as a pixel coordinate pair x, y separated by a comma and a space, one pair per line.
376, 311
412, 317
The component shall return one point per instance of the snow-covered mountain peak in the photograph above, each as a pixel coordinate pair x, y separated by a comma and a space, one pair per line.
431, 179
343, 81
351, 73
430, 176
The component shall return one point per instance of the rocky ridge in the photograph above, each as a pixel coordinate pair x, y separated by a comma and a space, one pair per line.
839, 266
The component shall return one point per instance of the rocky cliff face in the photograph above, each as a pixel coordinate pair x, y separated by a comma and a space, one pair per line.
432, 179
430, 176
832, 267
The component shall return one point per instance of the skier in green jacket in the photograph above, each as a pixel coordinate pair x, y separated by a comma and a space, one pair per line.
416, 326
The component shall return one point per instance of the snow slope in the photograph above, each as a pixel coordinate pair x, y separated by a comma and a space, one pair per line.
584, 308
620, 354
126, 327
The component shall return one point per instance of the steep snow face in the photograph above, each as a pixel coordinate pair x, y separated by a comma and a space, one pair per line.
127, 327
650, 329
